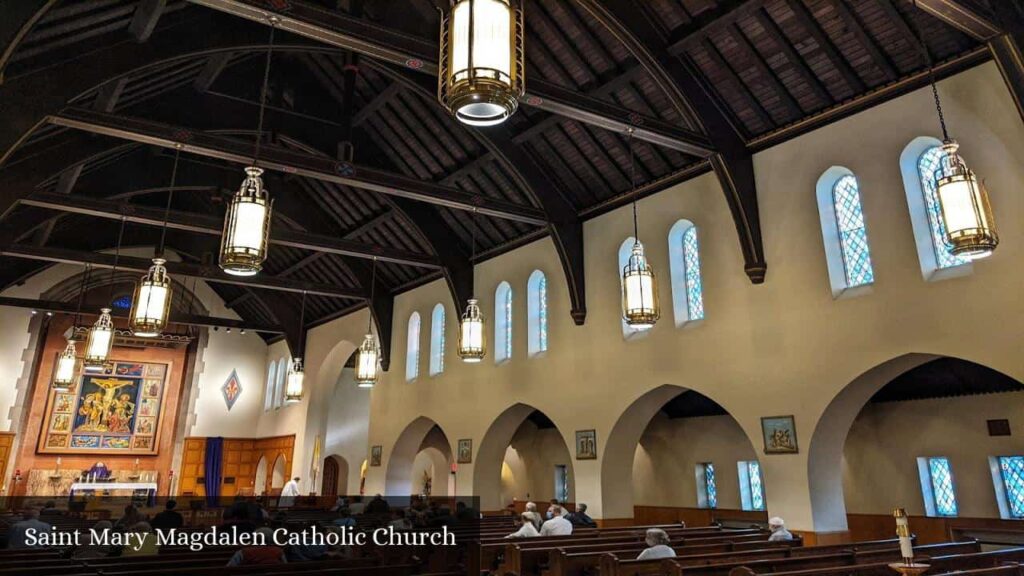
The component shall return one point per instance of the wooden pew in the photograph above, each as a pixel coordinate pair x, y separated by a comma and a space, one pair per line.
523, 557
831, 559
578, 560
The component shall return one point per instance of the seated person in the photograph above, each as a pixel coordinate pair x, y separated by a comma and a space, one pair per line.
399, 521
18, 532
168, 519
557, 525
91, 549
778, 527
50, 509
265, 553
552, 505
657, 545
526, 527
345, 518
580, 517
148, 545
531, 512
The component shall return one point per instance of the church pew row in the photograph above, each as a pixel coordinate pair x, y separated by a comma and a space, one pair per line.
526, 556
842, 562
578, 560
1008, 569
129, 566
516, 556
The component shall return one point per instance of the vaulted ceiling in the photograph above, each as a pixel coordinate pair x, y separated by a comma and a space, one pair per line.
96, 94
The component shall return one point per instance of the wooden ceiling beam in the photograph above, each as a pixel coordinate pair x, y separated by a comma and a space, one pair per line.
173, 318
212, 225
179, 269
147, 14
966, 16
291, 162
419, 55
733, 163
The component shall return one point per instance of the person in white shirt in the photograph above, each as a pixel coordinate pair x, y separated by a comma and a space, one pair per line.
557, 525
526, 527
288, 493
531, 513
657, 545
778, 527
17, 535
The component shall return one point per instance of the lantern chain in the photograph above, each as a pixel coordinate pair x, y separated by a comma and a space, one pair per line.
117, 256
170, 197
632, 181
81, 294
931, 74
263, 93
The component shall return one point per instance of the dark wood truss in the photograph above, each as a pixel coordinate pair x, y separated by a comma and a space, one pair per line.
368, 170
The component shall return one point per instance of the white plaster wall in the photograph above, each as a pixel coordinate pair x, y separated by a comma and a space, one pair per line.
15, 322
532, 457
880, 464
784, 347
348, 424
669, 451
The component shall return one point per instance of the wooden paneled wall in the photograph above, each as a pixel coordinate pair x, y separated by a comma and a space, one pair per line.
929, 530
6, 444
241, 457
694, 516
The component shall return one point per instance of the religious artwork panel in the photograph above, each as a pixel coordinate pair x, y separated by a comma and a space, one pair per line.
465, 451
231, 389
779, 435
375, 455
115, 410
586, 445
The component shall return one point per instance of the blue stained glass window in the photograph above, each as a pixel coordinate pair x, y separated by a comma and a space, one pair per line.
123, 302
942, 486
1012, 470
756, 488
507, 311
853, 236
927, 164
710, 489
542, 313
694, 286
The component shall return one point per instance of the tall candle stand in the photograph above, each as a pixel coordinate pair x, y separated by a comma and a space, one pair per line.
906, 567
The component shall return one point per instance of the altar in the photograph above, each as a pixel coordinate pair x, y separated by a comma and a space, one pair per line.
133, 490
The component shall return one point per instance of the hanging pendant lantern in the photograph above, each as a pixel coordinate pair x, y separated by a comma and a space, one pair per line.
481, 78
152, 303
243, 245
640, 308
67, 362
100, 341
293, 388
472, 345
367, 362
966, 212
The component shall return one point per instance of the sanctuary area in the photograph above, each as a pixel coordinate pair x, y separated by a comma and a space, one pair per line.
511, 287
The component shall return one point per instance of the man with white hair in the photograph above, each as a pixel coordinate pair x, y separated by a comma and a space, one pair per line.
531, 512
557, 525
778, 527
657, 545
17, 535
526, 528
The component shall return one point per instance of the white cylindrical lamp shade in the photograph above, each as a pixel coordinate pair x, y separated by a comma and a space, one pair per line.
101, 339
293, 386
151, 305
481, 75
367, 363
64, 375
640, 307
966, 211
243, 246
472, 344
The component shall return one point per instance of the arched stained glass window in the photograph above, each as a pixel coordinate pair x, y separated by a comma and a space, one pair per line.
412, 348
853, 235
282, 372
503, 323
437, 340
694, 286
684, 268
927, 164
537, 313
268, 392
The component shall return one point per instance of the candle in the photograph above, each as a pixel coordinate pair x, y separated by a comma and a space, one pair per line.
58, 460
903, 531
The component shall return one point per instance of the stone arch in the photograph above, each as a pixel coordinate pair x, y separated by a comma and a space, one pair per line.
260, 485
824, 471
620, 449
490, 454
398, 480
279, 474
335, 476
